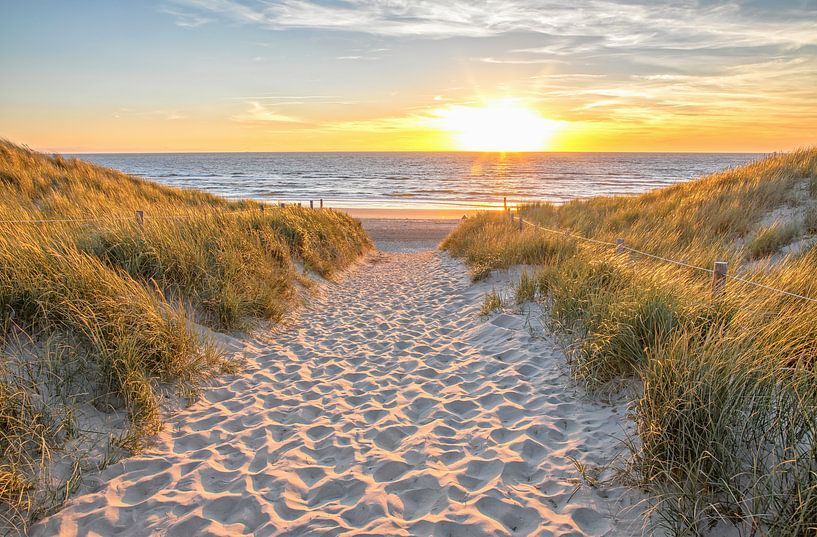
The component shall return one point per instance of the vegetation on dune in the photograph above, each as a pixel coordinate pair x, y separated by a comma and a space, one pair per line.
105, 309
491, 302
726, 422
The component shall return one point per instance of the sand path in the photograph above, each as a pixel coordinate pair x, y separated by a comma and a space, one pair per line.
389, 408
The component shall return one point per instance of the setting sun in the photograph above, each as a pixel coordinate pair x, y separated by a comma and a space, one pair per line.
500, 126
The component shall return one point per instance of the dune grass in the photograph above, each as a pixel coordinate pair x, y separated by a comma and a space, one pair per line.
122, 300
727, 433
491, 302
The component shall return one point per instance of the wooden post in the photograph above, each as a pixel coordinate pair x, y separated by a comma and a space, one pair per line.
281, 204
719, 279
263, 206
505, 202
619, 246
311, 204
140, 220
321, 203
510, 213
521, 222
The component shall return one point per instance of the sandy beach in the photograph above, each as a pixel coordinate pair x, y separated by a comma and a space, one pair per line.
407, 235
387, 406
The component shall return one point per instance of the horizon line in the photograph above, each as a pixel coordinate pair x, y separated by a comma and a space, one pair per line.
386, 151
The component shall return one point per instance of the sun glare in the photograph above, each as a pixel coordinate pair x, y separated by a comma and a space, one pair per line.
502, 126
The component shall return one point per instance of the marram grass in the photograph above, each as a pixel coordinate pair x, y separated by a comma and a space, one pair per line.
123, 300
727, 422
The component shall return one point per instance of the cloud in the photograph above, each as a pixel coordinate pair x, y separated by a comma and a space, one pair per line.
365, 55
634, 62
613, 24
258, 113
760, 90
158, 114
520, 61
390, 124
185, 19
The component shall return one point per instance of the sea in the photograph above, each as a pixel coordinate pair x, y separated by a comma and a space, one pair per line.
420, 180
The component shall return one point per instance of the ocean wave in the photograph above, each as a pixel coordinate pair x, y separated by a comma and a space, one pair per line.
443, 179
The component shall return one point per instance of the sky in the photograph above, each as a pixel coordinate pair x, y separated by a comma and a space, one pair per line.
399, 75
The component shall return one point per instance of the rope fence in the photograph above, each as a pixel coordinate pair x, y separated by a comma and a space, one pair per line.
719, 270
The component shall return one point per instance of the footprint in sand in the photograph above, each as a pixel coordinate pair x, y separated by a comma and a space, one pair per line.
389, 408
391, 437
516, 519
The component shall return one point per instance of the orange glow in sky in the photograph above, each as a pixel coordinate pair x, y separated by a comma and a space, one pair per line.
506, 75
500, 126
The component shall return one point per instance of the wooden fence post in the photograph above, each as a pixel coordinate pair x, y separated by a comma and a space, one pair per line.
321, 203
140, 220
619, 246
505, 202
521, 222
511, 215
311, 204
719, 279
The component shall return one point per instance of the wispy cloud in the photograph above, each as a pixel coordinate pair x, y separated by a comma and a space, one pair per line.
616, 24
160, 114
622, 63
185, 19
753, 91
257, 113
520, 61
364, 55
277, 101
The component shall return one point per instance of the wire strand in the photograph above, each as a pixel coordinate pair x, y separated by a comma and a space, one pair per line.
767, 287
667, 260
569, 233
565, 232
118, 218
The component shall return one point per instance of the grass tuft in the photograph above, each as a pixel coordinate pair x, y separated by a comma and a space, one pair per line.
526, 288
491, 303
769, 239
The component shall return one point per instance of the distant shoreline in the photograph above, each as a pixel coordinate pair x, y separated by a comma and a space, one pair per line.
387, 213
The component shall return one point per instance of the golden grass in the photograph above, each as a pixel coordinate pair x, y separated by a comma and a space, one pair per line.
125, 298
726, 424
490, 303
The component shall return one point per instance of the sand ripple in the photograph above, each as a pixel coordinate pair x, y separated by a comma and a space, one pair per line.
389, 408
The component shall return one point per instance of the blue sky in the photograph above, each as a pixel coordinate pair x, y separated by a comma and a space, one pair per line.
370, 74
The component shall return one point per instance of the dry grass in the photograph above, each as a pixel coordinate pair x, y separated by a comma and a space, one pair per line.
490, 303
525, 290
125, 299
726, 424
767, 240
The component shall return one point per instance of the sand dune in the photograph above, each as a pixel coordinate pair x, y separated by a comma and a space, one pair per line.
387, 408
